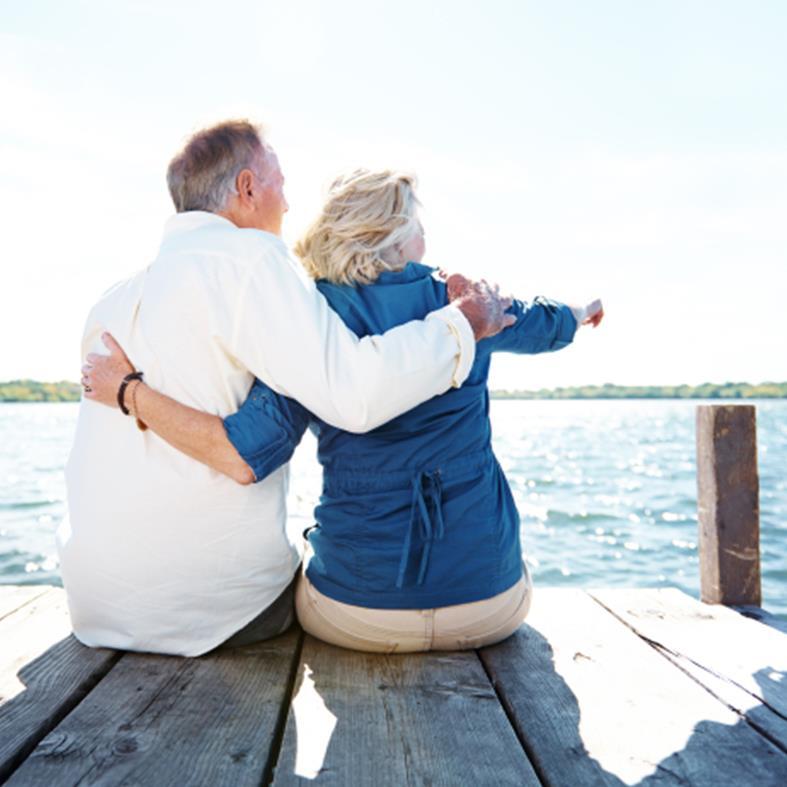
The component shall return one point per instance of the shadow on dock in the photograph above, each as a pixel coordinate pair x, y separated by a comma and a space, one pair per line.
567, 749
573, 698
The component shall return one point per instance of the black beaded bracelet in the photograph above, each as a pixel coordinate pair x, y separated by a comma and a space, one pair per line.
122, 390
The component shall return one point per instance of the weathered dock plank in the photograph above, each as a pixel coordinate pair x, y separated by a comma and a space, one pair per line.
163, 720
12, 597
595, 704
44, 671
739, 660
361, 719
594, 690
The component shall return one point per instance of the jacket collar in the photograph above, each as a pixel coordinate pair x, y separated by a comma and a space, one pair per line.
413, 271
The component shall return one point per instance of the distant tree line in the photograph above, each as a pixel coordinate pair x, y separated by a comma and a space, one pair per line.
609, 391
65, 391
34, 391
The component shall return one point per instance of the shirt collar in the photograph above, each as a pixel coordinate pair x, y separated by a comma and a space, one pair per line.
196, 219
192, 220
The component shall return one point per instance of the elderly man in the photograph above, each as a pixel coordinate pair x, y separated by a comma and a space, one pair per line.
159, 553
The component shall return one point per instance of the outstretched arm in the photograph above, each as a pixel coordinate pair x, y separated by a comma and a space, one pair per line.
199, 435
544, 326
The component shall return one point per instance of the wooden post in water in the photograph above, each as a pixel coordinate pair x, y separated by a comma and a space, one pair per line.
728, 504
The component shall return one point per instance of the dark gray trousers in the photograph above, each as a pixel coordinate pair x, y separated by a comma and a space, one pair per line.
271, 622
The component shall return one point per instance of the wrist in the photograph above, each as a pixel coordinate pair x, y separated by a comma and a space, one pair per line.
132, 395
580, 314
130, 398
123, 388
469, 309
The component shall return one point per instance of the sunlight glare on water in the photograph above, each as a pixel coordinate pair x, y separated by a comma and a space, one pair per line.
606, 490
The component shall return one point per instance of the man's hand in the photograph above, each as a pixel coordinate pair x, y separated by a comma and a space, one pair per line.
481, 303
102, 374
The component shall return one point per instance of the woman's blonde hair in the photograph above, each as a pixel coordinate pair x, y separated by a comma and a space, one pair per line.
366, 218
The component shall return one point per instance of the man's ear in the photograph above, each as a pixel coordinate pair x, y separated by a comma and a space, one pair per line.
244, 184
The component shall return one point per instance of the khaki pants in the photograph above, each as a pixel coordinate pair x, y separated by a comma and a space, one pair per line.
458, 627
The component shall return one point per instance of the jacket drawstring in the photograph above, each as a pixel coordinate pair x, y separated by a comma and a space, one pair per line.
427, 489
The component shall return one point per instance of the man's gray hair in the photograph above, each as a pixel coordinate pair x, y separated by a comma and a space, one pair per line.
202, 176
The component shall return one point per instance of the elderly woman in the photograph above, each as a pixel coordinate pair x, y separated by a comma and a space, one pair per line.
416, 542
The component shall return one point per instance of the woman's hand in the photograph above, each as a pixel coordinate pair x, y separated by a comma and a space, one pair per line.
102, 374
595, 319
592, 314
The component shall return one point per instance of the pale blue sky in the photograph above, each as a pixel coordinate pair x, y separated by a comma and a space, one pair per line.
633, 151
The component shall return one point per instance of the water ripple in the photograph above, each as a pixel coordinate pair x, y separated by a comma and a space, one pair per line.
606, 491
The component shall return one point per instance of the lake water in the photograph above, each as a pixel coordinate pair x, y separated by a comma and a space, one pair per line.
607, 491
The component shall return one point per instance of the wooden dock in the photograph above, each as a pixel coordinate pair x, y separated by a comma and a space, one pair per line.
605, 687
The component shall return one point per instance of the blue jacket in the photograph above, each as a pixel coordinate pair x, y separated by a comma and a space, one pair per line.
416, 513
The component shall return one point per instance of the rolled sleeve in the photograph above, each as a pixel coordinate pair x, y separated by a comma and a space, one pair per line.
287, 335
266, 429
460, 329
541, 326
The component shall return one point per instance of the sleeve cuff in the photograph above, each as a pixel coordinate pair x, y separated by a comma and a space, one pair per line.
567, 334
460, 329
580, 314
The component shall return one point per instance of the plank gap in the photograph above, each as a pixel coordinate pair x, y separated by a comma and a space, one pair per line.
582, 690
511, 716
79, 693
281, 721
25, 601
668, 653
673, 657
379, 719
211, 721
765, 734
678, 655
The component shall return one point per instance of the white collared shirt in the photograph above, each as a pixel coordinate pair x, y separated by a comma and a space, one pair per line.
158, 552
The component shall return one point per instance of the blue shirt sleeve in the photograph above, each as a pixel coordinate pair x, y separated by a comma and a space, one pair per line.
541, 326
266, 429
